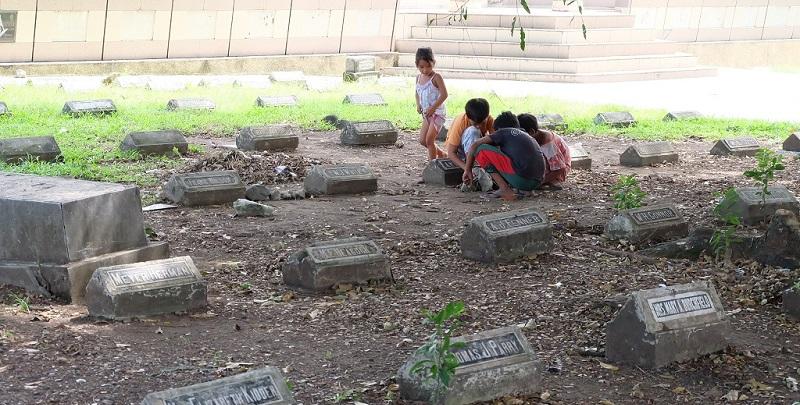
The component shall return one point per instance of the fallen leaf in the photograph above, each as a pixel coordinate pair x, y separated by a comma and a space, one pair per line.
608, 366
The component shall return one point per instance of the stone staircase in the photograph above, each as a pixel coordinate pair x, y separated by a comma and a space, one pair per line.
482, 47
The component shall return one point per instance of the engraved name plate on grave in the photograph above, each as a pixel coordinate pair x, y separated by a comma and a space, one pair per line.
340, 179
792, 143
745, 146
442, 172
271, 137
205, 188
4, 109
265, 386
751, 206
364, 99
580, 157
648, 154
380, 132
615, 119
94, 107
665, 325
659, 222
156, 143
324, 265
507, 236
190, 104
493, 364
276, 101
553, 122
361, 63
37, 148
682, 115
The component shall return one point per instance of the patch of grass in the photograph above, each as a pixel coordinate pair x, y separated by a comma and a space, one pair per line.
23, 303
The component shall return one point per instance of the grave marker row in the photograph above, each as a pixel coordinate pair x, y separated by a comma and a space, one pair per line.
751, 206
204, 188
580, 158
648, 154
660, 222
360, 67
191, 104
156, 143
271, 138
324, 265
258, 387
507, 236
442, 172
37, 148
380, 132
340, 179
744, 146
368, 99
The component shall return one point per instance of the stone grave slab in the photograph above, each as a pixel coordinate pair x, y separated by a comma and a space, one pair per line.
580, 157
442, 172
145, 289
659, 223
205, 188
265, 386
57, 232
360, 76
380, 132
4, 109
276, 101
340, 179
368, 99
289, 77
41, 148
183, 104
442, 136
507, 236
648, 154
682, 115
791, 303
619, 119
156, 143
271, 137
750, 207
92, 107
360, 63
792, 143
553, 122
324, 265
665, 325
744, 146
494, 364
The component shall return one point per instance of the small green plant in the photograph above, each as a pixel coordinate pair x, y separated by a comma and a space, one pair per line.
23, 303
627, 193
290, 384
439, 363
246, 287
347, 395
724, 237
769, 162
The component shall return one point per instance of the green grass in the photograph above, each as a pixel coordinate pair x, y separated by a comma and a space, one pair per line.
91, 145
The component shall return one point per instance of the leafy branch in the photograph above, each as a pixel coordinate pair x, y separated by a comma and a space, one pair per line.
769, 162
439, 363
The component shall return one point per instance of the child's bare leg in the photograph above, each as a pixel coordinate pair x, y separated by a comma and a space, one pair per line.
430, 142
505, 190
423, 133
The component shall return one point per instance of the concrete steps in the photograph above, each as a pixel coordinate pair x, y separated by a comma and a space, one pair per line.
549, 20
533, 36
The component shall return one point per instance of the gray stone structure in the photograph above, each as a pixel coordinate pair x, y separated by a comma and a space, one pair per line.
648, 154
194, 104
665, 325
619, 119
792, 143
93, 107
264, 386
56, 232
682, 115
494, 364
324, 265
507, 236
41, 148
442, 135
658, 223
581, 160
360, 67
749, 203
340, 179
381, 132
247, 208
280, 137
144, 289
4, 109
553, 122
163, 143
791, 303
442, 172
368, 99
744, 146
205, 188
276, 101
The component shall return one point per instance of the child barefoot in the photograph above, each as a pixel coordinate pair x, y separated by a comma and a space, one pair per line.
431, 94
558, 161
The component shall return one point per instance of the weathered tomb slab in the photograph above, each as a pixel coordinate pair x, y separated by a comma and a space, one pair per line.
324, 265
145, 289
620, 119
665, 325
91, 107
792, 143
361, 63
744, 146
659, 223
507, 236
340, 179
748, 203
791, 303
40, 148
192, 104
442, 135
381, 132
580, 157
247, 208
265, 386
442, 172
4, 109
276, 101
205, 188
648, 154
367, 99
149, 143
271, 137
553, 122
682, 115
493, 364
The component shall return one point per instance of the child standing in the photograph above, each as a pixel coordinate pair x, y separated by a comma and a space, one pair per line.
431, 94
558, 161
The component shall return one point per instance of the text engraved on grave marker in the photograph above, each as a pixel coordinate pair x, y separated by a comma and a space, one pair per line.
209, 181
373, 126
683, 305
339, 252
741, 143
346, 171
260, 392
498, 347
447, 164
503, 224
656, 215
91, 105
150, 275
772, 194
661, 148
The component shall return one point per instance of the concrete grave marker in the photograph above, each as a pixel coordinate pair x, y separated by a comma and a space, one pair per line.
648, 154
270, 137
553, 122
442, 172
792, 143
276, 101
156, 143
57, 231
364, 99
205, 188
93, 107
494, 364
41, 148
340, 179
178, 104
791, 303
507, 236
442, 136
360, 67
321, 266
682, 115
745, 146
380, 132
750, 207
661, 222
615, 119
580, 158
4, 109
144, 289
664, 325
265, 386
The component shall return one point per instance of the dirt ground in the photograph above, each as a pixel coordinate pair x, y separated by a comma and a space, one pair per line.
348, 346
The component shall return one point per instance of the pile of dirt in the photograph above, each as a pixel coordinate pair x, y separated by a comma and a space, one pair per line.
255, 167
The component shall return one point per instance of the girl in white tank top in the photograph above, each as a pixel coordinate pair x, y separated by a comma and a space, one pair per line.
431, 94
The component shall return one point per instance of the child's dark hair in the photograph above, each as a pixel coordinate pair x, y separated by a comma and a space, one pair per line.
528, 122
506, 119
477, 110
425, 54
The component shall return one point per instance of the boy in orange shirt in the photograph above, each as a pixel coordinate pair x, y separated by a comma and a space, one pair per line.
476, 122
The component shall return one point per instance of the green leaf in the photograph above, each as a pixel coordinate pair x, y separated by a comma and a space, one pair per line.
521, 38
513, 25
524, 4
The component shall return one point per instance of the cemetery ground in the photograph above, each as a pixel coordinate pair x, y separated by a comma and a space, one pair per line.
347, 346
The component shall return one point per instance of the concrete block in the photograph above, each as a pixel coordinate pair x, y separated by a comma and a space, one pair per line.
745, 146
181, 104
682, 115
41, 148
792, 143
791, 303
648, 154
659, 223
442, 172
553, 122
580, 157
324, 265
369, 99
380, 132
749, 204
619, 119
156, 143
257, 387
507, 236
340, 179
246, 208
93, 107
271, 137
204, 188
361, 63
276, 101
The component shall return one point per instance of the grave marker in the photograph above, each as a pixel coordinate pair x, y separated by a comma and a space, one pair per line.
791, 303
580, 158
553, 122
276, 101
265, 386
442, 136
156, 143
179, 104
442, 172
749, 205
360, 67
494, 364
205, 188
364, 99
648, 154
380, 132
661, 222
745, 146
664, 325
324, 265
38, 148
145, 289
93, 107
270, 137
792, 143
4, 109
340, 179
682, 115
507, 236
615, 119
